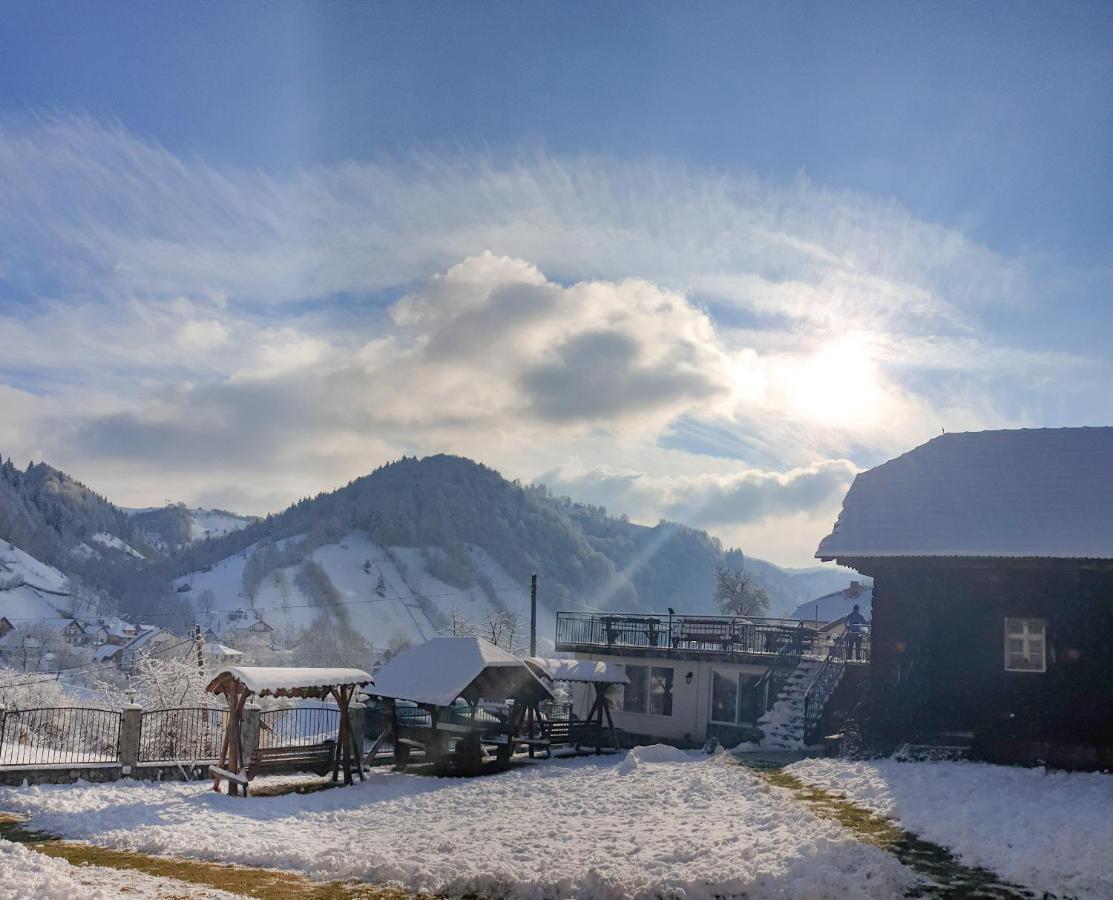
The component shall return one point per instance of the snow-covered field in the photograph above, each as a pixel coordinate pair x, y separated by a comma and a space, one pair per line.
655, 823
1050, 831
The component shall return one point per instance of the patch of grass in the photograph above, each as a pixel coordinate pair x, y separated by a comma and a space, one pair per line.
265, 884
946, 877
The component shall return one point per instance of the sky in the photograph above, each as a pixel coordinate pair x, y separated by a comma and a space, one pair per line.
702, 262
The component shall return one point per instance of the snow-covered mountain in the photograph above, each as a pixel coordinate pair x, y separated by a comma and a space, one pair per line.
393, 556
386, 594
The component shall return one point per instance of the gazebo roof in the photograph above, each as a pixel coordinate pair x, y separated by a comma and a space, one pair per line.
287, 681
584, 671
440, 670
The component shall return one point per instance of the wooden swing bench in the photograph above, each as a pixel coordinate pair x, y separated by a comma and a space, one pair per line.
315, 758
239, 764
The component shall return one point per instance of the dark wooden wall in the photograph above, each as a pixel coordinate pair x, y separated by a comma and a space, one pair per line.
941, 624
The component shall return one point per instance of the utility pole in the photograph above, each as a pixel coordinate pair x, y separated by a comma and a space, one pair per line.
533, 615
198, 643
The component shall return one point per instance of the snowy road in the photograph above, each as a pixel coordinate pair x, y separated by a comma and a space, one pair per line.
695, 827
1049, 831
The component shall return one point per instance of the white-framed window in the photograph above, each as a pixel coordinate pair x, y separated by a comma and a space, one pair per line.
731, 700
1025, 645
649, 690
635, 695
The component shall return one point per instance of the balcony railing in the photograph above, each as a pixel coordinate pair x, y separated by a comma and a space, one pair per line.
727, 634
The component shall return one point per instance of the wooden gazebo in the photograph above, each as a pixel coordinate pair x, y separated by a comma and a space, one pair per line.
238, 683
600, 675
433, 693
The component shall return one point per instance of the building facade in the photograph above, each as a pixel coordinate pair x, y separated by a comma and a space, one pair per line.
992, 560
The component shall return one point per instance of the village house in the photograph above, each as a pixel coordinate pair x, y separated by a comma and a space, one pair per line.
991, 555
75, 632
149, 640
5, 626
837, 605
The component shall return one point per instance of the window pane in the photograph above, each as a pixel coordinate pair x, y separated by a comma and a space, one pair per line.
724, 697
660, 691
1016, 645
635, 693
1014, 627
1035, 628
751, 705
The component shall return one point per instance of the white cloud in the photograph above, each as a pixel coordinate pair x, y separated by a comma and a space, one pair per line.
712, 346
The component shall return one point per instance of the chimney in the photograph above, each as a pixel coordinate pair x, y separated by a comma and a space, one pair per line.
855, 589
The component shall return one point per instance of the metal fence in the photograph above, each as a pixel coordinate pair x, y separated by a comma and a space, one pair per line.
298, 726
184, 734
728, 634
59, 736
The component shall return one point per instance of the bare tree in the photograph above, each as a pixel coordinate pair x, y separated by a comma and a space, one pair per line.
737, 594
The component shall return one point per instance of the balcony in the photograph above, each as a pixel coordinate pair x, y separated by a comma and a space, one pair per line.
668, 634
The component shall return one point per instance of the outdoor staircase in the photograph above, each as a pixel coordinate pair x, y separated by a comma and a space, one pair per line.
783, 725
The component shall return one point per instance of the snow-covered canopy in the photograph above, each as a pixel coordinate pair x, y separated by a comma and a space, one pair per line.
579, 670
287, 681
1045, 492
444, 668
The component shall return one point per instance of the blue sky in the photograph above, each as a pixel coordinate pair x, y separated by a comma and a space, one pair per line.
864, 222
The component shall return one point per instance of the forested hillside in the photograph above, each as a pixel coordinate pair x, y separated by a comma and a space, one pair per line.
464, 519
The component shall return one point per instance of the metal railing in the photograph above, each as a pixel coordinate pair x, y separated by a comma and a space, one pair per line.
298, 726
733, 634
59, 736
185, 734
763, 692
824, 682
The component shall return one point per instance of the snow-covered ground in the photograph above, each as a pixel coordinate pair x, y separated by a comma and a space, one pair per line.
29, 589
25, 874
1050, 831
655, 823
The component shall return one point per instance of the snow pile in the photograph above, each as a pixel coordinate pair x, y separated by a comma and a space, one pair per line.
1050, 831
654, 753
569, 828
24, 873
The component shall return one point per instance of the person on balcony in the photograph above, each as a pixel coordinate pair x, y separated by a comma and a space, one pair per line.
855, 627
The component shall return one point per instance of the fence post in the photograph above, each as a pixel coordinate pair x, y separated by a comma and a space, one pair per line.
249, 730
3, 712
357, 719
131, 726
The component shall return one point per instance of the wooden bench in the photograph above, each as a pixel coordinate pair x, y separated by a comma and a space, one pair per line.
315, 758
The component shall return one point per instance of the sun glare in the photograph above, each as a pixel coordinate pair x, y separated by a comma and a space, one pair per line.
838, 384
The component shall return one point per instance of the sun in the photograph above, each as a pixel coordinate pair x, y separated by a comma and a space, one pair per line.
839, 384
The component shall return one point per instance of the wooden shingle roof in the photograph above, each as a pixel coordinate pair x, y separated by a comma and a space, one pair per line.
1044, 492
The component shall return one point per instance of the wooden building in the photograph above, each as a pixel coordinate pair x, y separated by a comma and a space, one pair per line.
992, 560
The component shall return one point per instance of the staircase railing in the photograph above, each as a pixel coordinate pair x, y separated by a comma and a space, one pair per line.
826, 679
766, 688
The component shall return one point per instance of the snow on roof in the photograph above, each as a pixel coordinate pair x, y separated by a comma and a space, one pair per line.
216, 649
1045, 492
444, 668
580, 670
835, 605
106, 651
272, 679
